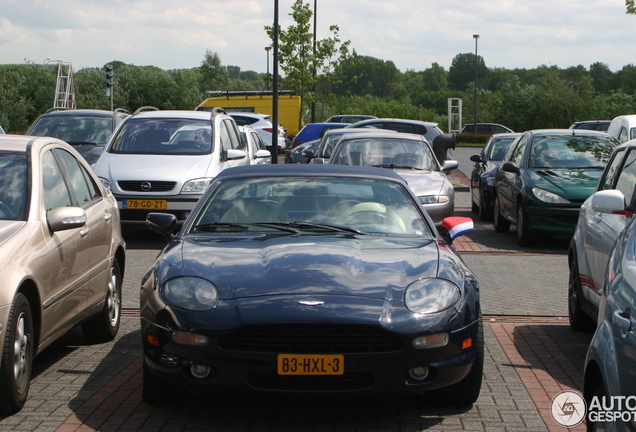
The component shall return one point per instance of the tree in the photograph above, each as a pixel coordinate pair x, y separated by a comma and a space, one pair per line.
296, 56
213, 75
631, 7
462, 71
602, 77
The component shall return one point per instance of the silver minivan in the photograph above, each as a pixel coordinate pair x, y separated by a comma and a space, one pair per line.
165, 160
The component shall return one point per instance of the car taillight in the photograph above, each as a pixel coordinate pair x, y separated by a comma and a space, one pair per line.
296, 143
268, 130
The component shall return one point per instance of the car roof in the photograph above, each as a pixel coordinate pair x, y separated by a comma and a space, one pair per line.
380, 134
22, 143
396, 120
274, 170
184, 114
248, 114
505, 135
84, 112
567, 132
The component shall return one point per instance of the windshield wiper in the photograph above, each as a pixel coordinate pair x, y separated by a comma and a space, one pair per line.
394, 166
80, 142
301, 224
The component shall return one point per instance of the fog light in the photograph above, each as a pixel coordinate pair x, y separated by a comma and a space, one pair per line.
430, 341
200, 371
418, 373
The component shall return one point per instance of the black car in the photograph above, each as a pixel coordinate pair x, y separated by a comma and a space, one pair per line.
484, 129
84, 129
600, 125
311, 279
482, 178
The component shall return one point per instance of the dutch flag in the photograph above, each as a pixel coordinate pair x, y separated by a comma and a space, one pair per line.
457, 226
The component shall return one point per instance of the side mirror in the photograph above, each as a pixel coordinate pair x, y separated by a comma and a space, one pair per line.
449, 165
608, 201
234, 154
97, 151
66, 218
263, 154
476, 158
162, 223
318, 161
510, 167
309, 153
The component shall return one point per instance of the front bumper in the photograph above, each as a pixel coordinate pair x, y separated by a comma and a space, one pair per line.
235, 367
553, 220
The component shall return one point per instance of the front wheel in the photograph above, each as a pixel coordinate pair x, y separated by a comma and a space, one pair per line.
17, 357
105, 326
523, 233
579, 320
501, 224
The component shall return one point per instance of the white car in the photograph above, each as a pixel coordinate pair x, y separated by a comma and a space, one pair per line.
602, 218
261, 123
255, 146
165, 160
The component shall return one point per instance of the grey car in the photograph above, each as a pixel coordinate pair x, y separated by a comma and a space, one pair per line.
410, 156
609, 377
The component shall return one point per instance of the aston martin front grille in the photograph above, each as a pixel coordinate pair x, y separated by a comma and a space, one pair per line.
146, 186
311, 339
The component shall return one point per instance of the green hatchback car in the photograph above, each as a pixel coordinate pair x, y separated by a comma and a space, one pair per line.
543, 180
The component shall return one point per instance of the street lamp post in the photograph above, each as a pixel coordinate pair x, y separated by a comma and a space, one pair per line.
267, 50
476, 36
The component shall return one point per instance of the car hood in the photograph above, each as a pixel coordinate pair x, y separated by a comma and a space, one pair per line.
366, 266
152, 167
424, 182
573, 184
8, 228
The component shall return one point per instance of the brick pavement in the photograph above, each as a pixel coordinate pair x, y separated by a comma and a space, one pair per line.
529, 359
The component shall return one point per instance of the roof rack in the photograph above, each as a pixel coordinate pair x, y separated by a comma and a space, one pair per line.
246, 92
145, 108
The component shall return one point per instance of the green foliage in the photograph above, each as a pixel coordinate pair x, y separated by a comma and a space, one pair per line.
462, 71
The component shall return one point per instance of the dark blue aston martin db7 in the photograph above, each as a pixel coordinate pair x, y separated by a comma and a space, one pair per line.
311, 279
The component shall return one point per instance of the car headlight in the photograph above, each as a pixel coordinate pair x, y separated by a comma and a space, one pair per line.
433, 199
549, 197
196, 186
106, 183
488, 180
431, 295
190, 293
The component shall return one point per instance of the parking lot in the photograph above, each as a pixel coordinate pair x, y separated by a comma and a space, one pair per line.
531, 355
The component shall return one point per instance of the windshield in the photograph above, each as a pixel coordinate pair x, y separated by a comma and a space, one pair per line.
75, 129
13, 185
499, 148
385, 152
164, 137
309, 205
571, 152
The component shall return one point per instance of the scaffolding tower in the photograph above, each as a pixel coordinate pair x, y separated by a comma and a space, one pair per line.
64, 88
454, 115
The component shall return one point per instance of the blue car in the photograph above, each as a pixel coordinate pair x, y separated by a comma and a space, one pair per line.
311, 279
610, 366
314, 131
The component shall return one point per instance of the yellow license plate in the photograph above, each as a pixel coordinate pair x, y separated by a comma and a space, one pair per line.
293, 364
145, 204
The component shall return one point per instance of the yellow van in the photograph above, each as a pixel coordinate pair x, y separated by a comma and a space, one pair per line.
254, 101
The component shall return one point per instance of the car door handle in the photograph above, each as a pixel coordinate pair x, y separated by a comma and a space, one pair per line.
598, 216
84, 231
108, 216
621, 322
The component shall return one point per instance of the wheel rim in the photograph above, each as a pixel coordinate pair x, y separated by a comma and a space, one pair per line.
21, 353
113, 298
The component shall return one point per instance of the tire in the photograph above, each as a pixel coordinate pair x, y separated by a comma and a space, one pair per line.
466, 392
155, 390
485, 213
600, 393
524, 237
17, 357
579, 320
105, 326
501, 224
474, 207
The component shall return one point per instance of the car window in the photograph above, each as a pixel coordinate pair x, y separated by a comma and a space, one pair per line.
75, 129
385, 152
627, 177
54, 188
517, 154
612, 170
499, 148
164, 137
552, 151
83, 185
233, 134
622, 136
13, 185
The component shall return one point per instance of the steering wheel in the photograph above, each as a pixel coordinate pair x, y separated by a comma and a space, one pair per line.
372, 214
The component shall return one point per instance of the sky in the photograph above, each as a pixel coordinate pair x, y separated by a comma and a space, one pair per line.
413, 34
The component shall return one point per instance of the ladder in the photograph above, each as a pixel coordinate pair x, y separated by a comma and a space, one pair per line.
64, 89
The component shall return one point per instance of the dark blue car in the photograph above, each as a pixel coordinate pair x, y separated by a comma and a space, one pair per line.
314, 131
311, 279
